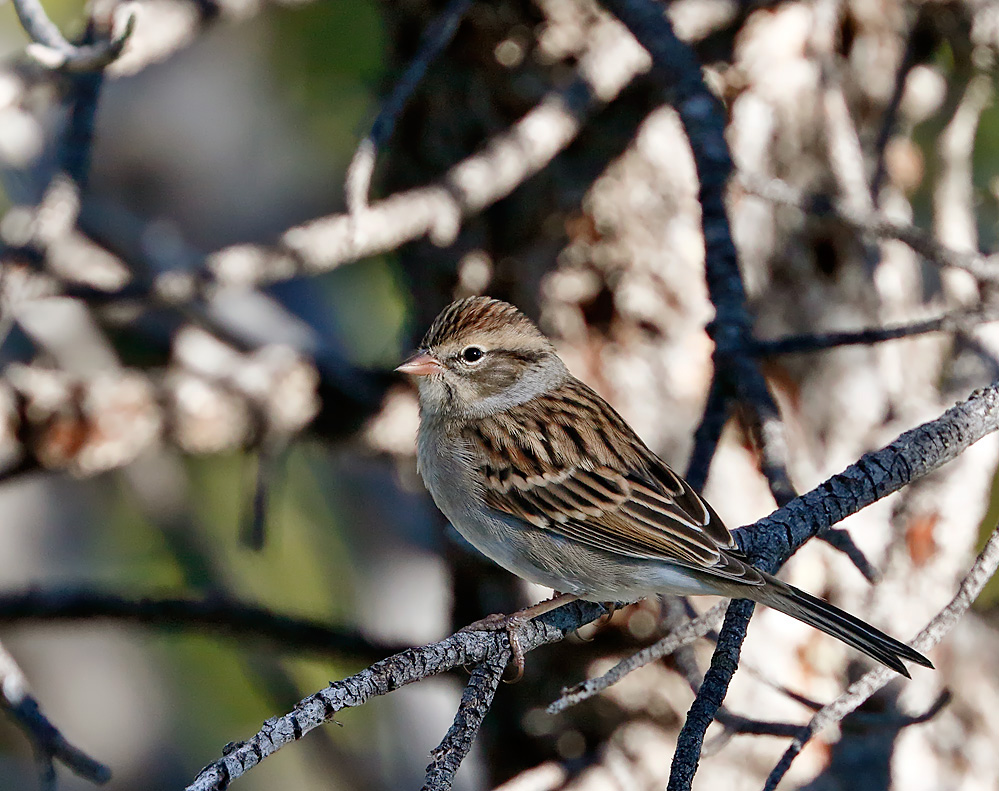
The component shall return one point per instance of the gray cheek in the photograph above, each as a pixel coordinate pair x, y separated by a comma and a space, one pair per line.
494, 379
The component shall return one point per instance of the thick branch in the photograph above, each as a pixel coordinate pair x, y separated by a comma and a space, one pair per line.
678, 638
811, 342
915, 454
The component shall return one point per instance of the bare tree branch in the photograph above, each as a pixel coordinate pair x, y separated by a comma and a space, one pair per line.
475, 703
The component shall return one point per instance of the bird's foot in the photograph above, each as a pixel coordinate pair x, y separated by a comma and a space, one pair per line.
512, 625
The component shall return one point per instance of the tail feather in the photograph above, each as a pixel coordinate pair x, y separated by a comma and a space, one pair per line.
841, 625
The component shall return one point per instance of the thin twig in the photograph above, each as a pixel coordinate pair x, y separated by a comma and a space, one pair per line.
683, 635
709, 698
913, 52
985, 268
475, 702
810, 342
981, 572
840, 539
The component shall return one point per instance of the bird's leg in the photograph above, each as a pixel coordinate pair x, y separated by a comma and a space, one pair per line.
512, 623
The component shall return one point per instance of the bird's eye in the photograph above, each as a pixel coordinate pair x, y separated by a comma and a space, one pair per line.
472, 354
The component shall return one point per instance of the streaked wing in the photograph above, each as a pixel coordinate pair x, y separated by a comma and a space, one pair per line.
567, 462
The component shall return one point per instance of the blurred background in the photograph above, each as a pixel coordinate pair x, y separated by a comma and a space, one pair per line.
253, 444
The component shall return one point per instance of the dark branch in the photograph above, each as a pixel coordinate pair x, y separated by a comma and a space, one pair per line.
475, 702
215, 615
435, 38
951, 322
678, 70
913, 455
47, 742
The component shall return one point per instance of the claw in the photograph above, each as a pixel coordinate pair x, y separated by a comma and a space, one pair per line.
512, 624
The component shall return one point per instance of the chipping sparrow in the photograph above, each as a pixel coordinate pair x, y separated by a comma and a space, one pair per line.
540, 474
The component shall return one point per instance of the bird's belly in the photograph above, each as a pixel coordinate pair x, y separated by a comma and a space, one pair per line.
570, 566
543, 556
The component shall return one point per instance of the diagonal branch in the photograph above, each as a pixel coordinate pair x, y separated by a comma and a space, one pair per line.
435, 39
678, 638
609, 63
913, 455
475, 702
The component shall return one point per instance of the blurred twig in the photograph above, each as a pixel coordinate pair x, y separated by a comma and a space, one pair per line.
50, 48
768, 542
214, 615
435, 38
48, 743
985, 268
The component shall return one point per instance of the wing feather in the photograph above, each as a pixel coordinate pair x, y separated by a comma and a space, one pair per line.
567, 462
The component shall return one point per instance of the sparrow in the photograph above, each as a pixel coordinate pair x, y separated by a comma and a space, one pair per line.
543, 476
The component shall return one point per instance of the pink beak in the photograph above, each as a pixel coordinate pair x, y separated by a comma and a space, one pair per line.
420, 364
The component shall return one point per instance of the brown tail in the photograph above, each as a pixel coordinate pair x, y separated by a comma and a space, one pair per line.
840, 624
